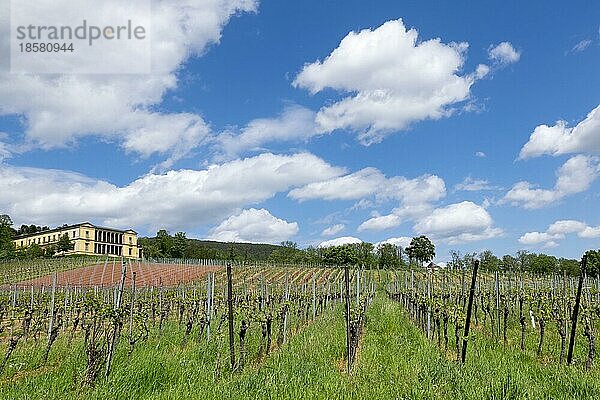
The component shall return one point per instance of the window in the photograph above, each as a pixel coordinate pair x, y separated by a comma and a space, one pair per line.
73, 233
87, 234
87, 246
53, 238
130, 251
130, 240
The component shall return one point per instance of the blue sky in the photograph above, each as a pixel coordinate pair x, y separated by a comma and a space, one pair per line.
254, 134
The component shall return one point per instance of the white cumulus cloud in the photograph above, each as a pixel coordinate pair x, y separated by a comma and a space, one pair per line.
504, 53
182, 199
254, 226
58, 110
339, 241
333, 230
558, 231
394, 80
560, 139
457, 223
380, 223
574, 176
402, 241
470, 184
295, 123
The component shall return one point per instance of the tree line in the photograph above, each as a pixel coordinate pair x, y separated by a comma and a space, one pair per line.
420, 252
8, 250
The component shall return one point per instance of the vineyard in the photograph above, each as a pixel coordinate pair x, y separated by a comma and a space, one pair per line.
209, 329
534, 314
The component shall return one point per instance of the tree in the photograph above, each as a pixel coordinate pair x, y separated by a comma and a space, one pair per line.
489, 262
179, 245
593, 263
289, 244
34, 251
365, 254
50, 251
522, 260
288, 253
340, 255
150, 248
421, 250
64, 244
7, 246
509, 263
456, 261
164, 242
389, 255
542, 263
570, 267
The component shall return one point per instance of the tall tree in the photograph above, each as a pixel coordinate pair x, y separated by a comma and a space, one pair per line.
164, 242
35, 251
180, 245
365, 254
593, 263
421, 249
456, 260
489, 262
64, 244
389, 255
7, 246
340, 255
509, 263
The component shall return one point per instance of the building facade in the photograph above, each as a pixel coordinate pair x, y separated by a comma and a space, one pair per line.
87, 239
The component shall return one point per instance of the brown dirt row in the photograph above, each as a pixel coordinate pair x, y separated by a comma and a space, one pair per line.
146, 275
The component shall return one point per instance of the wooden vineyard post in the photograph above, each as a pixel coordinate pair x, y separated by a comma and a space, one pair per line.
428, 306
347, 296
497, 289
209, 285
357, 286
576, 310
132, 306
230, 316
314, 297
469, 309
287, 297
111, 345
50, 325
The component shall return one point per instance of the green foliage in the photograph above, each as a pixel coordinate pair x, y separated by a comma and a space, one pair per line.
34, 251
365, 253
180, 244
488, 261
389, 256
29, 229
341, 255
421, 250
7, 246
542, 263
64, 244
593, 263
165, 243
289, 253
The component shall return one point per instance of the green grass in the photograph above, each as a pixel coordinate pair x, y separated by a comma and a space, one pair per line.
395, 361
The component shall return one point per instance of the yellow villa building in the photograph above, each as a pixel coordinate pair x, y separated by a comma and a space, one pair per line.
88, 239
